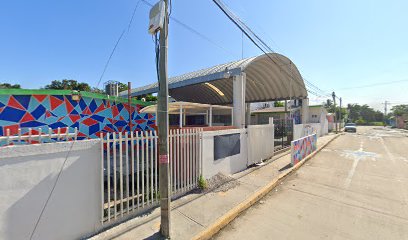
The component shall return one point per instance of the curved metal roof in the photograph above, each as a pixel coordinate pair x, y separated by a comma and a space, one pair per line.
266, 80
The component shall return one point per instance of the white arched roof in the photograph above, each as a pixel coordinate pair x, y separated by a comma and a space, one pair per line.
268, 78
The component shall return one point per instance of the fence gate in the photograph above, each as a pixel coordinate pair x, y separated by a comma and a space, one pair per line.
283, 133
129, 174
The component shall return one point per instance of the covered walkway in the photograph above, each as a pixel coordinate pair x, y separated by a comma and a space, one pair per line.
268, 77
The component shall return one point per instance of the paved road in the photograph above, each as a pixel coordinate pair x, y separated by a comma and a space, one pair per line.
355, 188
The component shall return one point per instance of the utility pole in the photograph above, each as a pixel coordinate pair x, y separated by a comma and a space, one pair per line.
385, 108
385, 112
340, 113
130, 106
334, 102
163, 126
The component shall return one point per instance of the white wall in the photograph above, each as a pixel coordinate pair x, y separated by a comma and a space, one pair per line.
260, 143
228, 165
27, 175
302, 130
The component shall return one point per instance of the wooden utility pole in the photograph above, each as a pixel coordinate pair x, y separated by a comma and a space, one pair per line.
163, 126
335, 115
130, 106
340, 114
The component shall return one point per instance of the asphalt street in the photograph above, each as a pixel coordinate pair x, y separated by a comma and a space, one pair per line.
355, 188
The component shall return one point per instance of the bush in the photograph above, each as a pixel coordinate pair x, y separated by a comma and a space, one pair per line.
376, 123
202, 183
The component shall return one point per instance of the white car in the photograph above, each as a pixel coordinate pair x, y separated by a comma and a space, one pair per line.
350, 127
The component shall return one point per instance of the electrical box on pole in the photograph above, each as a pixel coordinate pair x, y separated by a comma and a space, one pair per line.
157, 14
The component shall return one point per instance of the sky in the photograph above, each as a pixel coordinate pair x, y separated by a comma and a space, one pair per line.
339, 46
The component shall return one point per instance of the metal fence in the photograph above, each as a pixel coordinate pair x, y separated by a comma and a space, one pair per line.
185, 159
283, 133
130, 182
38, 135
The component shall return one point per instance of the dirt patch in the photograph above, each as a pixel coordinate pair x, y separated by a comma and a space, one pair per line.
222, 183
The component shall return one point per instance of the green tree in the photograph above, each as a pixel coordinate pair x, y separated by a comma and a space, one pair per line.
399, 110
9, 86
278, 104
364, 114
122, 87
329, 105
148, 97
68, 84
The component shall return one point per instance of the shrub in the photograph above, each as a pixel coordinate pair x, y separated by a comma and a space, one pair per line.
202, 183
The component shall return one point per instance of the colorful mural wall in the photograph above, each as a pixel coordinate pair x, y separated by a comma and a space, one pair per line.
302, 147
92, 114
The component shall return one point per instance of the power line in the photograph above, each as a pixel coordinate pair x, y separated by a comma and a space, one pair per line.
375, 84
259, 43
117, 43
192, 30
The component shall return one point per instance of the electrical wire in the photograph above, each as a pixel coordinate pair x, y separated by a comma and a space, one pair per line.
375, 84
117, 43
259, 43
192, 30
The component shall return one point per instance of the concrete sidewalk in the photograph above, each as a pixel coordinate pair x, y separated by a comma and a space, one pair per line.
194, 213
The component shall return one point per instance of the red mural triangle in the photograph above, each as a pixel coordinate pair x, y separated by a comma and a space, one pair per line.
55, 102
27, 117
100, 108
40, 98
115, 111
69, 106
14, 103
87, 111
74, 118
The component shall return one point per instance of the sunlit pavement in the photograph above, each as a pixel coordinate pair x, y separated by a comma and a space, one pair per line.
355, 188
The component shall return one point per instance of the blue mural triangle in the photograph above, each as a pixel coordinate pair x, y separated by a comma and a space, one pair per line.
24, 100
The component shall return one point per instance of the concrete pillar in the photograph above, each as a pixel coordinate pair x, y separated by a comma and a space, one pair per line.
305, 110
181, 116
184, 117
248, 114
210, 117
239, 83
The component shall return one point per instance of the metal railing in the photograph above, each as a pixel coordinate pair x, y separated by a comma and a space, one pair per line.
129, 176
35, 136
185, 159
283, 133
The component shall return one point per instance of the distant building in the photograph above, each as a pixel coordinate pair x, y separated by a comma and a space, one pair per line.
317, 113
401, 121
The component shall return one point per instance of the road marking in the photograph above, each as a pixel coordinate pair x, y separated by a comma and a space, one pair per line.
353, 167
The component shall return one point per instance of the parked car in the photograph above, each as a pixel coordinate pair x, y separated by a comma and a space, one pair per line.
350, 127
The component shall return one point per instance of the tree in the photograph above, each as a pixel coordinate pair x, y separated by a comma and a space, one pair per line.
122, 87
148, 98
9, 86
399, 110
278, 104
329, 105
70, 84
363, 114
